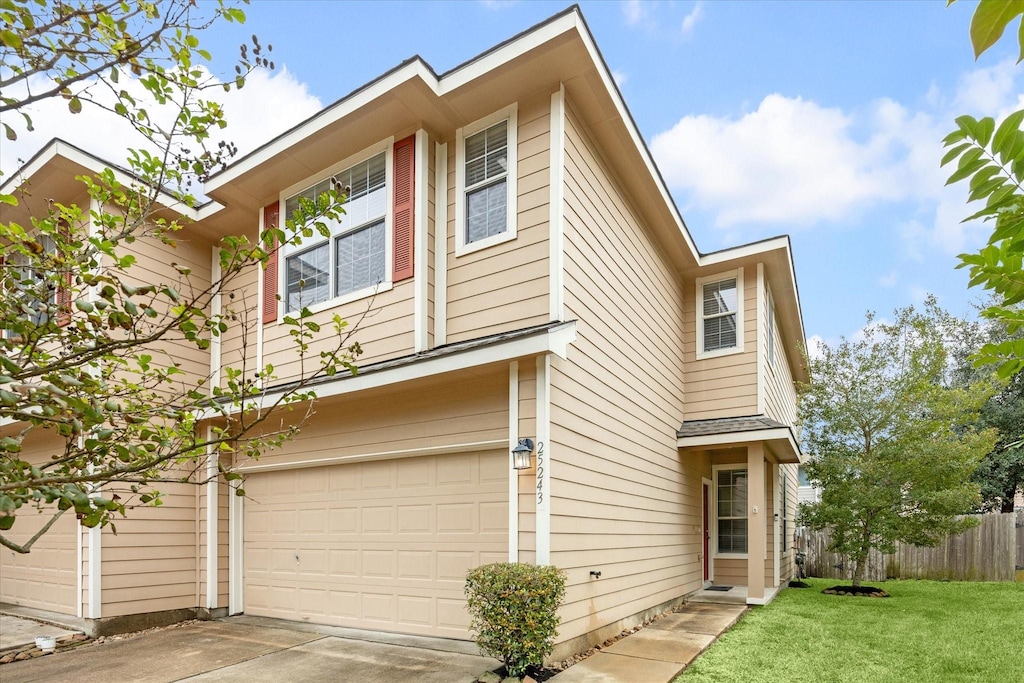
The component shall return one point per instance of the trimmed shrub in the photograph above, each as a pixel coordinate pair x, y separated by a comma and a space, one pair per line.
514, 610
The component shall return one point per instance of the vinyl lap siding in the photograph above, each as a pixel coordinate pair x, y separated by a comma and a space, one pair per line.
150, 564
779, 391
621, 501
463, 408
505, 287
723, 386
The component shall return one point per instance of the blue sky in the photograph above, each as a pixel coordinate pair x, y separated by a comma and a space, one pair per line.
817, 119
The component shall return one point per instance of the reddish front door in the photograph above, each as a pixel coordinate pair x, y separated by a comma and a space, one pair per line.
706, 532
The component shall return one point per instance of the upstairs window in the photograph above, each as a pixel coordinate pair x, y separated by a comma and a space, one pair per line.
352, 261
485, 182
720, 315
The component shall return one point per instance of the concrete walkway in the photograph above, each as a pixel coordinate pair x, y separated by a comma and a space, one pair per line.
17, 632
659, 652
247, 652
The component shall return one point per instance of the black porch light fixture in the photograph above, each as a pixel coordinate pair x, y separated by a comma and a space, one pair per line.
521, 454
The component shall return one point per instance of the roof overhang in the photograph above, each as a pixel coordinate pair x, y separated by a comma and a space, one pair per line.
558, 52
780, 442
551, 338
730, 432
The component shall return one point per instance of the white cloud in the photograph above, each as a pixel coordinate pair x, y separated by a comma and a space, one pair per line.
620, 77
889, 279
634, 12
269, 104
691, 19
498, 4
791, 162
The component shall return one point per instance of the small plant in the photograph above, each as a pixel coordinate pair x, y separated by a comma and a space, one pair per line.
514, 610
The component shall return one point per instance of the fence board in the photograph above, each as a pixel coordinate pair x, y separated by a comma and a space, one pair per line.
987, 552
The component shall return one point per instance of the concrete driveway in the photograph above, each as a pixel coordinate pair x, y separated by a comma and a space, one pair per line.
250, 650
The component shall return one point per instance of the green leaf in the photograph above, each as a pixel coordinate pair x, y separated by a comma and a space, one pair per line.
1004, 133
985, 128
990, 20
75, 105
966, 171
954, 153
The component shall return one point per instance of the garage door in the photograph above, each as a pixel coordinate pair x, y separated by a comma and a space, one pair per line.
46, 578
376, 545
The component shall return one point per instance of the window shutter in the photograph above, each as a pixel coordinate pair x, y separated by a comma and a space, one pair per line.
271, 215
403, 219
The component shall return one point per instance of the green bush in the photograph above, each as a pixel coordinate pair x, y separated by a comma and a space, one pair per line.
515, 611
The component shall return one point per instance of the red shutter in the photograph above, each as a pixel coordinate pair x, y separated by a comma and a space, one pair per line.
271, 214
403, 220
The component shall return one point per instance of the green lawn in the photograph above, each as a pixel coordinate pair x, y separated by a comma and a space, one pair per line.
927, 631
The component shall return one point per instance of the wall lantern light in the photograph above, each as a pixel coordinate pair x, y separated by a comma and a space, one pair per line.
521, 454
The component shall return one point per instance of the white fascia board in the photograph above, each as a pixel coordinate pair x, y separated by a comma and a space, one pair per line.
554, 341
93, 163
729, 438
634, 134
744, 250
415, 69
476, 68
323, 119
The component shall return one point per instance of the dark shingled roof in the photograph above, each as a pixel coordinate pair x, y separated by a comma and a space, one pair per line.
727, 425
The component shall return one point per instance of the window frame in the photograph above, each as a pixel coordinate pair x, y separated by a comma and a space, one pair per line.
717, 554
387, 147
699, 313
511, 115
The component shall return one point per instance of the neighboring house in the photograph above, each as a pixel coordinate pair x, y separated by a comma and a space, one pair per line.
529, 276
806, 493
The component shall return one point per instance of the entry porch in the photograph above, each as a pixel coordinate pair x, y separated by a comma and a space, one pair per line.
748, 472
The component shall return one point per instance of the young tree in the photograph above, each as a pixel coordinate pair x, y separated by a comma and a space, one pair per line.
889, 437
90, 341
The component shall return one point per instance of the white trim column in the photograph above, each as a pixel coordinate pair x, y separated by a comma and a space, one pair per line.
212, 518
777, 527
236, 509
441, 244
513, 474
420, 243
95, 559
556, 285
756, 525
543, 456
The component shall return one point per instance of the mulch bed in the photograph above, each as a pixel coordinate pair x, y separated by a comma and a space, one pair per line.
859, 591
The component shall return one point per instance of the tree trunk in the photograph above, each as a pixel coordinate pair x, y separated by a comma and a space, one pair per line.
858, 569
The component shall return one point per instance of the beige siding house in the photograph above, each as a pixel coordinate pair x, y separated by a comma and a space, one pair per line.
519, 271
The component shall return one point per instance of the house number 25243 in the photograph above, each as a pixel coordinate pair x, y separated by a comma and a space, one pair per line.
541, 464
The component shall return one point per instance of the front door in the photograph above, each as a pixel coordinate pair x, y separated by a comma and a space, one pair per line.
706, 530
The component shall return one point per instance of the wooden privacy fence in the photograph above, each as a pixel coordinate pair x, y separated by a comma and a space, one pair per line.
991, 551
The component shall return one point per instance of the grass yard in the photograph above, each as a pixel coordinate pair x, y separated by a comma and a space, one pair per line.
927, 631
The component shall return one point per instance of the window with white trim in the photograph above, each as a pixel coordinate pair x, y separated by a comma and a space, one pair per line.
352, 261
719, 300
22, 279
486, 182
731, 511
